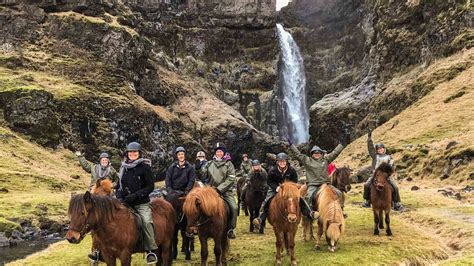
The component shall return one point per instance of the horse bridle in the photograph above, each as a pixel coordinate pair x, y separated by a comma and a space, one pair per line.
84, 228
285, 217
199, 222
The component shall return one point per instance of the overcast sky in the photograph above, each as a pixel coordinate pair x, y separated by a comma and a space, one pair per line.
281, 3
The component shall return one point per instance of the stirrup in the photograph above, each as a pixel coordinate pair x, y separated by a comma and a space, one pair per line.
94, 256
153, 258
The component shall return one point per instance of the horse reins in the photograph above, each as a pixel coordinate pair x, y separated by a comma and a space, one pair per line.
84, 228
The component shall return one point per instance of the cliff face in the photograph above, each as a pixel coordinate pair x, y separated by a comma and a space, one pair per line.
353, 49
94, 75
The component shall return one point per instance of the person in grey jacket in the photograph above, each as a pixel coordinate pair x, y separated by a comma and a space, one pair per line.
378, 154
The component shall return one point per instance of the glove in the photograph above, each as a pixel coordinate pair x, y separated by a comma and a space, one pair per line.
345, 138
369, 132
130, 198
278, 189
78, 153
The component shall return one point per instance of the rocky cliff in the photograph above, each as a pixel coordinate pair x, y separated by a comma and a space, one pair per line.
354, 49
94, 75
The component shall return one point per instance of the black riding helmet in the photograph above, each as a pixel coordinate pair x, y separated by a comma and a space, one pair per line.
282, 157
379, 145
104, 155
180, 149
134, 146
255, 162
316, 149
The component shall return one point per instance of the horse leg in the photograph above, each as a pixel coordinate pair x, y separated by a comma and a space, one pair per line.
381, 219
303, 223
279, 246
291, 247
311, 235
166, 253
376, 221
218, 251
251, 217
174, 248
191, 243
286, 241
186, 240
204, 250
109, 259
125, 258
387, 221
320, 234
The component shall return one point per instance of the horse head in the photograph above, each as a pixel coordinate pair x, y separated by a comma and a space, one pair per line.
381, 175
80, 208
103, 187
289, 194
200, 206
341, 179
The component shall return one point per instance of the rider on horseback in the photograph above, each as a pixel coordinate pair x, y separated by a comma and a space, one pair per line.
98, 171
220, 174
256, 172
245, 166
282, 171
135, 184
181, 174
377, 152
316, 168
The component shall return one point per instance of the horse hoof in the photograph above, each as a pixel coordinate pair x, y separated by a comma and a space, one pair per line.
188, 258
317, 247
278, 262
389, 233
293, 263
376, 233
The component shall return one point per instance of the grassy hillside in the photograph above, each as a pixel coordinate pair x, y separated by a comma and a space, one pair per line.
434, 136
35, 182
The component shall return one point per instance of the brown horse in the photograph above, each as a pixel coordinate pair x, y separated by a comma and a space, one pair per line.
381, 197
114, 227
103, 187
331, 218
206, 214
285, 215
254, 196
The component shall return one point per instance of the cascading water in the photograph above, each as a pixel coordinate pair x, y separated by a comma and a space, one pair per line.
295, 116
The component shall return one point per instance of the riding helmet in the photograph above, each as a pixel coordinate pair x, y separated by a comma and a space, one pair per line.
180, 149
282, 156
134, 146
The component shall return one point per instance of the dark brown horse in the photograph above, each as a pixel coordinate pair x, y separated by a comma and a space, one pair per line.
381, 197
241, 196
114, 227
331, 218
340, 179
206, 214
254, 196
284, 215
176, 198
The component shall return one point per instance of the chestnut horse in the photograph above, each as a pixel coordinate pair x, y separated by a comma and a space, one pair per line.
284, 215
206, 214
114, 227
381, 197
103, 187
341, 179
331, 218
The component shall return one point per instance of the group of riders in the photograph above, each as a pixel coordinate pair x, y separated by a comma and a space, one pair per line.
134, 181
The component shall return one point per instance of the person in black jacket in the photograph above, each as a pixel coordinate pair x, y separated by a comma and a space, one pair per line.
134, 186
181, 174
282, 171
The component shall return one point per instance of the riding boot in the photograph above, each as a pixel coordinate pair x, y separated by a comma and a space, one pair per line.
258, 222
306, 210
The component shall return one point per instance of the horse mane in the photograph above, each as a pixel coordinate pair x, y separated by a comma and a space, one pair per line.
104, 207
209, 201
330, 212
385, 168
289, 190
104, 186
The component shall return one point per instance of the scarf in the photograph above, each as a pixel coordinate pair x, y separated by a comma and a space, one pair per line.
101, 171
127, 164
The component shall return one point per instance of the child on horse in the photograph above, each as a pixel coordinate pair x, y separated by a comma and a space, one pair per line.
134, 186
378, 154
220, 174
282, 171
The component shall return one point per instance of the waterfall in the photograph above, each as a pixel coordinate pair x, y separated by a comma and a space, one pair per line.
295, 115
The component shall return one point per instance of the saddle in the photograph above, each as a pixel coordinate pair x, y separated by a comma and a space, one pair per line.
140, 245
314, 197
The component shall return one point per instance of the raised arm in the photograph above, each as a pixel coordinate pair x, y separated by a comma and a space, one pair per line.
301, 157
85, 164
370, 145
333, 155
